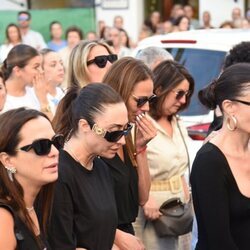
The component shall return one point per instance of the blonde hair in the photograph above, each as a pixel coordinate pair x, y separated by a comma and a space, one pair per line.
78, 74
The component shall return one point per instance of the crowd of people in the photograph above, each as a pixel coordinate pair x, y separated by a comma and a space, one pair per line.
182, 18
91, 143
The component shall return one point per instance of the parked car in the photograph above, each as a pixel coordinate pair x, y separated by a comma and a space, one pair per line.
202, 52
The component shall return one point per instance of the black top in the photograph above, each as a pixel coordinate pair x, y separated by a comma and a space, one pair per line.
223, 213
125, 178
24, 237
84, 212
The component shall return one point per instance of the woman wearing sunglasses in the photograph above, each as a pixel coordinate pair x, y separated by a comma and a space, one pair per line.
28, 168
132, 79
89, 61
167, 153
94, 121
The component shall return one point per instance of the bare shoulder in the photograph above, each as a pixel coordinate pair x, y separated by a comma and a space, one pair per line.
7, 235
5, 215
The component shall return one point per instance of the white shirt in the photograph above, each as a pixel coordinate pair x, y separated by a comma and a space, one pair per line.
54, 100
28, 100
4, 51
34, 39
167, 155
124, 51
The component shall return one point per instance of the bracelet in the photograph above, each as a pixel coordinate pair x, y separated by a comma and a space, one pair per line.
140, 151
46, 109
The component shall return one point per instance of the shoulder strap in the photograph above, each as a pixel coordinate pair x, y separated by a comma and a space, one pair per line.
17, 221
9, 208
186, 148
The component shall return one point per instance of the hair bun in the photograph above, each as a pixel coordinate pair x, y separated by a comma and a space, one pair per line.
207, 96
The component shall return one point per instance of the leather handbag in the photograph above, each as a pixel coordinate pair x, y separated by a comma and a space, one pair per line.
176, 218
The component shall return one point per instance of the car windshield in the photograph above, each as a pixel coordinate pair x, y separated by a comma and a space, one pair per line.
204, 66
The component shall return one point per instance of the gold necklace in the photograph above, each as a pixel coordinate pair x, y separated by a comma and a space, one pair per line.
76, 158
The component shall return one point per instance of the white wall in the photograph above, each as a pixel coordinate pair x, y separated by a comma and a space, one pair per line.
220, 9
15, 5
133, 16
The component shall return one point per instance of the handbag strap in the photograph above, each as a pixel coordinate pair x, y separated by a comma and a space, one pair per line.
186, 148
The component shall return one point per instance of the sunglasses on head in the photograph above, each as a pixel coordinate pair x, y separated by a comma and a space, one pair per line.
142, 100
113, 136
181, 93
101, 61
43, 146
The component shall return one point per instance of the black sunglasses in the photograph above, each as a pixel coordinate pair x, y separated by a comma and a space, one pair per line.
181, 93
243, 102
113, 136
142, 100
101, 61
43, 146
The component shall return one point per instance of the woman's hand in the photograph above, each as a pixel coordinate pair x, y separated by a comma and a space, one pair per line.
126, 241
146, 131
40, 88
151, 209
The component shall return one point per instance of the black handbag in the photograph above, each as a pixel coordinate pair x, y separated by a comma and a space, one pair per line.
176, 218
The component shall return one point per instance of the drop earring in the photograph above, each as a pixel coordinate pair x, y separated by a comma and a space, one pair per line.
10, 172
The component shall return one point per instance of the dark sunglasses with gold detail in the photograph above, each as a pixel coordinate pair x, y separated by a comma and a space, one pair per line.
113, 136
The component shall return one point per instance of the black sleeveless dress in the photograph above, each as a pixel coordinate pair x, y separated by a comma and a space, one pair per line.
25, 239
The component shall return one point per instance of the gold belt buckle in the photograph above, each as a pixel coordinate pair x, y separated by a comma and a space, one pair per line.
175, 184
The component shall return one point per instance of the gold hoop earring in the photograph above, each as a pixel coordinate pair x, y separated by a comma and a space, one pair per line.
10, 172
234, 123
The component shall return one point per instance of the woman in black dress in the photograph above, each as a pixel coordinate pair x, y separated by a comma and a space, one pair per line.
221, 170
28, 168
132, 79
94, 121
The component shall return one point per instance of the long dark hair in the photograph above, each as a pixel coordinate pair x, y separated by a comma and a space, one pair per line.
82, 103
12, 193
